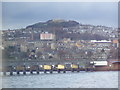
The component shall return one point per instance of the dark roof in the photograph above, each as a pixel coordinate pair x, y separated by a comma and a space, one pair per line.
115, 61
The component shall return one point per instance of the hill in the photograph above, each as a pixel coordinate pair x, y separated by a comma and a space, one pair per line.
68, 29
54, 23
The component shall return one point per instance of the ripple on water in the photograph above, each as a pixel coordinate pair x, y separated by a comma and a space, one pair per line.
67, 80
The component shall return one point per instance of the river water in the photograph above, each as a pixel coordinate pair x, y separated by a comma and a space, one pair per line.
63, 80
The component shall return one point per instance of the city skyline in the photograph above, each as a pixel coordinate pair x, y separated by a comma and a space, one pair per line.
28, 13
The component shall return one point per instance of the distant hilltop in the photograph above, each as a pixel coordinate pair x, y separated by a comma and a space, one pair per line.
68, 29
54, 23
58, 20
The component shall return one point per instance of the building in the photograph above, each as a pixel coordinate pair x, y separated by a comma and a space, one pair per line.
115, 43
101, 43
47, 36
100, 65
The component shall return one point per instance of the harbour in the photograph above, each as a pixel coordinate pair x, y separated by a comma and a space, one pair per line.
60, 45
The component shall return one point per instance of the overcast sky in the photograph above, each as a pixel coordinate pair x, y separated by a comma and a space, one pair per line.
22, 14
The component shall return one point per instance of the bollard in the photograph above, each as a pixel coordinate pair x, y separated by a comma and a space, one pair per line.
64, 71
72, 70
37, 72
31, 72
78, 70
18, 72
58, 71
11, 73
51, 71
44, 71
24, 72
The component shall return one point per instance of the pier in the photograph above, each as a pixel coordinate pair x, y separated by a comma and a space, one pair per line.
37, 67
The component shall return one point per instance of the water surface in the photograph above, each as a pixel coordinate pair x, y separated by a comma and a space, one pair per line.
63, 80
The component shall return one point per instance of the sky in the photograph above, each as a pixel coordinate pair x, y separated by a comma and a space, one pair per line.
21, 14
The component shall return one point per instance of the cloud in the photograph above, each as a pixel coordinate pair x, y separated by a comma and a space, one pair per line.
19, 14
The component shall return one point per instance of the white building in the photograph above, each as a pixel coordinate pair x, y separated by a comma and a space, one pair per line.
99, 63
47, 36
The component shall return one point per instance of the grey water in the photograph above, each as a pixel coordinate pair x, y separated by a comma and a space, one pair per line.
106, 79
